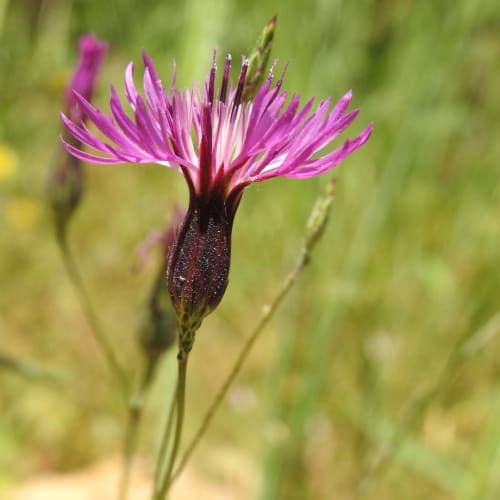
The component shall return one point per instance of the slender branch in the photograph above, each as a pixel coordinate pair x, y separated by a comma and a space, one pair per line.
165, 441
180, 398
135, 412
31, 371
100, 337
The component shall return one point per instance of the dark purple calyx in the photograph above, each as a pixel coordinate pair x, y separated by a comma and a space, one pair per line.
198, 268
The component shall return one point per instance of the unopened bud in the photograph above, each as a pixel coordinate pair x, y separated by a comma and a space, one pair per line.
319, 216
157, 322
257, 62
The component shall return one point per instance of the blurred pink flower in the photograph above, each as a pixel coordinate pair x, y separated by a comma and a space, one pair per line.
65, 182
92, 52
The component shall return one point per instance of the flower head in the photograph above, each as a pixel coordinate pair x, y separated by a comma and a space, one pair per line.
65, 184
221, 144
218, 141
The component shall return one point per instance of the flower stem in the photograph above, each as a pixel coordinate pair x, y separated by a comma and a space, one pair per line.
88, 310
264, 320
162, 454
314, 230
162, 486
135, 412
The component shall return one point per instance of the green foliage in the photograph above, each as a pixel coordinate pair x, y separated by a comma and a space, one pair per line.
379, 378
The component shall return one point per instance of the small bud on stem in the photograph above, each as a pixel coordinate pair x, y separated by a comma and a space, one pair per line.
319, 216
157, 325
258, 60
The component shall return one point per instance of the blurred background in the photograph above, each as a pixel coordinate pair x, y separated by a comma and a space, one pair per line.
379, 376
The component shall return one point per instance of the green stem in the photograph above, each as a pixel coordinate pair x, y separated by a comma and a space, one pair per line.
31, 371
162, 487
265, 318
165, 440
135, 412
102, 341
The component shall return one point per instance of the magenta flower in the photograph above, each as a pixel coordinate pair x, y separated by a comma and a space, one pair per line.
65, 183
221, 144
92, 52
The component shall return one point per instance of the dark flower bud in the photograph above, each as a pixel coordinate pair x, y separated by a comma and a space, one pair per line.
156, 329
199, 262
157, 322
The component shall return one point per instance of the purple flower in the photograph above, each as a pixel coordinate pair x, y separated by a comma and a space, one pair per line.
221, 144
65, 183
92, 52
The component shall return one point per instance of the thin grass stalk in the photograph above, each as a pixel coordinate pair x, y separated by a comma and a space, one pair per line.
165, 441
134, 418
88, 310
31, 371
180, 399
